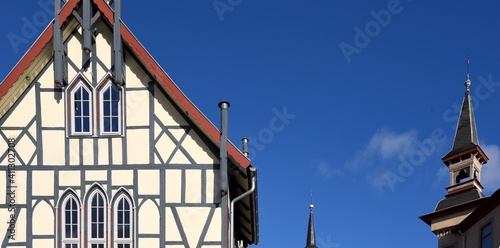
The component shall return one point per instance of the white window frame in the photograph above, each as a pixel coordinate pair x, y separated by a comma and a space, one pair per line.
76, 86
109, 84
93, 241
123, 241
71, 241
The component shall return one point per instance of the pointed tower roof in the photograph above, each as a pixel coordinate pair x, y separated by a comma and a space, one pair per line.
466, 133
311, 236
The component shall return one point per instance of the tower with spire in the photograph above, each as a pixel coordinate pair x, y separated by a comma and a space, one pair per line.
464, 193
311, 235
466, 158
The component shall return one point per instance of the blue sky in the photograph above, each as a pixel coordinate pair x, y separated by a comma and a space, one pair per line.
338, 123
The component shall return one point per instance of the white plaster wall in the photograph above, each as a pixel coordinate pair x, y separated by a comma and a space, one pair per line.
87, 149
53, 147
103, 154
117, 151
165, 147
137, 107
21, 184
138, 146
43, 183
148, 242
104, 40
165, 111
74, 152
43, 243
193, 186
213, 233
149, 182
96, 175
171, 230
69, 178
43, 219
198, 150
148, 219
122, 177
24, 112
212, 186
193, 220
46, 79
75, 54
136, 77
173, 186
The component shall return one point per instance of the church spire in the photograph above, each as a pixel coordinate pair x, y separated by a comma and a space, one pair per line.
311, 236
466, 133
466, 158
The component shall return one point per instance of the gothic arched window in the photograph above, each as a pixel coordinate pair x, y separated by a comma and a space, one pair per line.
123, 222
70, 222
110, 108
97, 222
81, 98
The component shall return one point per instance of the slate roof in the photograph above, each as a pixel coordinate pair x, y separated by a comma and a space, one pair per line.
466, 133
460, 198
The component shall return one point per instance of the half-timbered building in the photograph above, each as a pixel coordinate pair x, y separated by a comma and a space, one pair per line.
99, 148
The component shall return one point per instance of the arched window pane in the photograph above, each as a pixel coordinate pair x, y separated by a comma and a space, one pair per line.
82, 109
70, 223
111, 109
123, 222
97, 220
97, 216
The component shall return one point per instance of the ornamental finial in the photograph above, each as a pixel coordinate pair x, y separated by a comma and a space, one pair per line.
467, 80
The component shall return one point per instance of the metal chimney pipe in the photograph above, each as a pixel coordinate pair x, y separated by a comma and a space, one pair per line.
224, 105
244, 141
224, 182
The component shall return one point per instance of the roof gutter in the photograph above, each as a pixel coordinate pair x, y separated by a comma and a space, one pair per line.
253, 171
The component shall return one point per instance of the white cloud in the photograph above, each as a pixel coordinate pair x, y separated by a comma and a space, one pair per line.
384, 145
389, 144
491, 170
324, 169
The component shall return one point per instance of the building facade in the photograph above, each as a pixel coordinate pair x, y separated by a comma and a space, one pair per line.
466, 218
99, 148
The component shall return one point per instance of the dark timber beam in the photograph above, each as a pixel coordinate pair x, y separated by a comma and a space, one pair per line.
57, 44
117, 37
